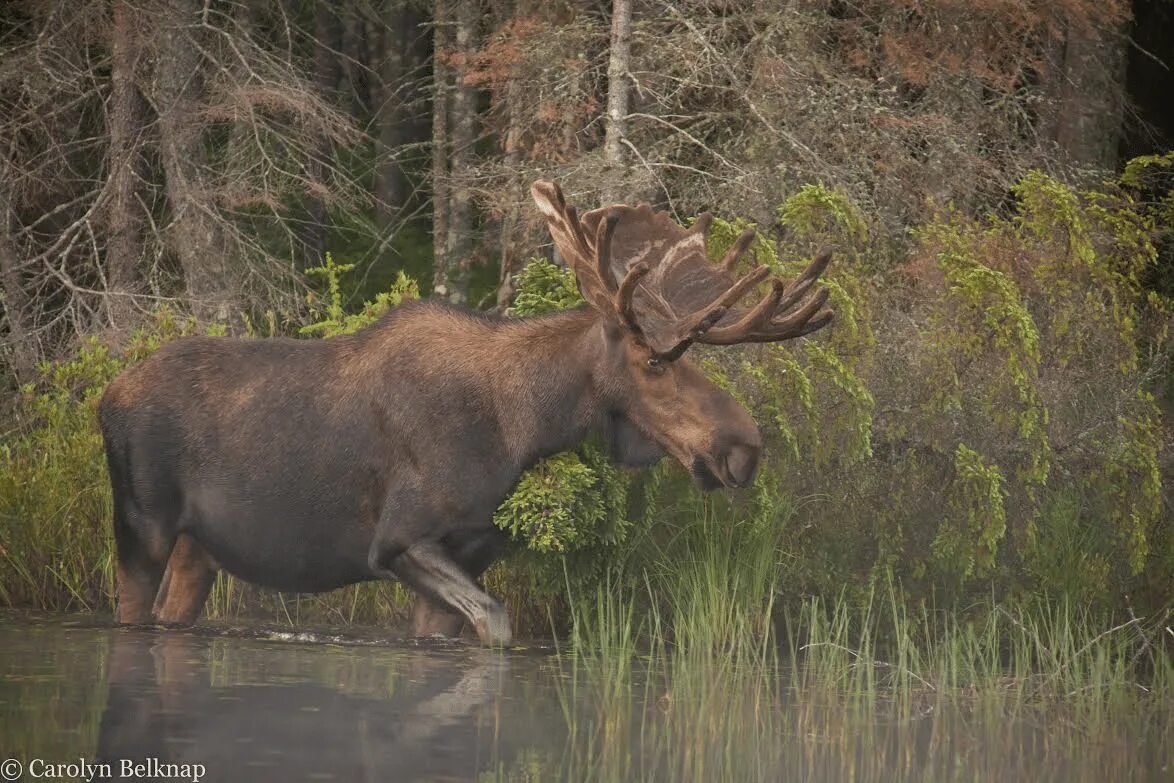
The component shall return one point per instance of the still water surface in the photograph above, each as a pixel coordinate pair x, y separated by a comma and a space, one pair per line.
282, 706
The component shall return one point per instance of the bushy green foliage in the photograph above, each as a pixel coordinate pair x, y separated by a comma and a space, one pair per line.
969, 537
552, 507
817, 211
1019, 389
570, 514
545, 288
332, 319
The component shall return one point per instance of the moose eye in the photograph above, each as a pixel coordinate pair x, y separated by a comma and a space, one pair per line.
655, 364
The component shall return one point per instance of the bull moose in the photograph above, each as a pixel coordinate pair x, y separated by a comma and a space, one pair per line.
306, 465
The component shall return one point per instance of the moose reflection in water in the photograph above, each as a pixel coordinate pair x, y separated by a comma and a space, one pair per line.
307, 465
259, 713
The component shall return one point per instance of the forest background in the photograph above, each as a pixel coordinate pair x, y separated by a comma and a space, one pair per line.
988, 416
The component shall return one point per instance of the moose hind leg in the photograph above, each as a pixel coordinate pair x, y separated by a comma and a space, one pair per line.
142, 555
473, 555
431, 571
186, 583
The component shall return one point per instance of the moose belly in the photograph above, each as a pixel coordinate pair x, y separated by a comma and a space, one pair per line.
282, 545
294, 568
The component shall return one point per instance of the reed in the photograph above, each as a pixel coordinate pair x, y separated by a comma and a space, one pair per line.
694, 669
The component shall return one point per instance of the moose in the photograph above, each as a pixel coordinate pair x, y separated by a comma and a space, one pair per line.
307, 465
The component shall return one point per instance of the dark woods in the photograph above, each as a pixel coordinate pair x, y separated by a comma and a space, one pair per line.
207, 153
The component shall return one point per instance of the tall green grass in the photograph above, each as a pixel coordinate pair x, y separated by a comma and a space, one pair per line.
694, 669
669, 675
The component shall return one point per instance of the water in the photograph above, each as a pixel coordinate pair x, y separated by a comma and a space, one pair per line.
284, 706
290, 707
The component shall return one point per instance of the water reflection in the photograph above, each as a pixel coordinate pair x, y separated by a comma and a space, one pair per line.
262, 710
170, 698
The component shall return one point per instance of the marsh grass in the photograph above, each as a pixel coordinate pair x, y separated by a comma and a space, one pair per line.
368, 603
670, 675
693, 671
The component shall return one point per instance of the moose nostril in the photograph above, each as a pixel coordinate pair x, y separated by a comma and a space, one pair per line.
741, 462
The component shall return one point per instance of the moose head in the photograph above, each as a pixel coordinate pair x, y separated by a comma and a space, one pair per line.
657, 293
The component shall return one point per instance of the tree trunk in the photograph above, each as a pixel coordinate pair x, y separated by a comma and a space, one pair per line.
14, 299
618, 63
327, 42
126, 120
393, 64
196, 236
1087, 95
355, 50
510, 220
464, 115
440, 77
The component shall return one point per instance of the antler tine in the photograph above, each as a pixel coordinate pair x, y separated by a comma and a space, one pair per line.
816, 267
701, 224
693, 327
817, 323
803, 282
737, 250
797, 324
566, 230
603, 238
814, 304
562, 218
624, 296
703, 325
735, 292
793, 293
759, 325
577, 230
759, 316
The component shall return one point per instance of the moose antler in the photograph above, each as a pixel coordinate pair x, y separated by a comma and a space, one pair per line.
563, 221
762, 324
667, 281
590, 261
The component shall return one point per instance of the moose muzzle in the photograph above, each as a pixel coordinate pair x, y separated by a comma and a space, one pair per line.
732, 462
741, 464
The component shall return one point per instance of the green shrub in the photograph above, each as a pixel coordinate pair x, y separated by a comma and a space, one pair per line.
333, 320
1011, 372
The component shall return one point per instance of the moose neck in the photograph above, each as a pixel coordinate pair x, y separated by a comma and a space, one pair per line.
549, 400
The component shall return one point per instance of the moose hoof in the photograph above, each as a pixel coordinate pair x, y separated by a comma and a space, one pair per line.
493, 627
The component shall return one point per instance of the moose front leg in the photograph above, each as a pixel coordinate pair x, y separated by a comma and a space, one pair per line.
474, 554
429, 569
